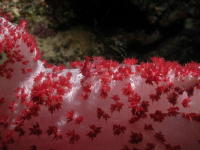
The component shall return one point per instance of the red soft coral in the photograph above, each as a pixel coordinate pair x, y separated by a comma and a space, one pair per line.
98, 104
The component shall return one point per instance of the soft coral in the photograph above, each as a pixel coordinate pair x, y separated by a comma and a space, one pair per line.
100, 104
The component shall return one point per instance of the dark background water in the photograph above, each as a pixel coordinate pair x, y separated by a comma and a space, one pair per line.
175, 23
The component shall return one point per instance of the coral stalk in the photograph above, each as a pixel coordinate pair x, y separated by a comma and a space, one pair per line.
96, 104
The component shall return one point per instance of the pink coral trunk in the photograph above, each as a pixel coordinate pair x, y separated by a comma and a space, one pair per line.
97, 105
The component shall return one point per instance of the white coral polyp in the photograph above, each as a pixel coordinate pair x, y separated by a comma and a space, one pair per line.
98, 104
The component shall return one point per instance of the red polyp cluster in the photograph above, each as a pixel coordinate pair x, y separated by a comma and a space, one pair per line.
96, 104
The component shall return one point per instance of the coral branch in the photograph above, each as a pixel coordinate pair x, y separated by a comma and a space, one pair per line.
98, 104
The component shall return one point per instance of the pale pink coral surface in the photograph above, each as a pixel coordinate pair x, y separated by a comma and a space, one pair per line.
97, 104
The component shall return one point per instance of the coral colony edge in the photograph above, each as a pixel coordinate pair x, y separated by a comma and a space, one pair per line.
96, 104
